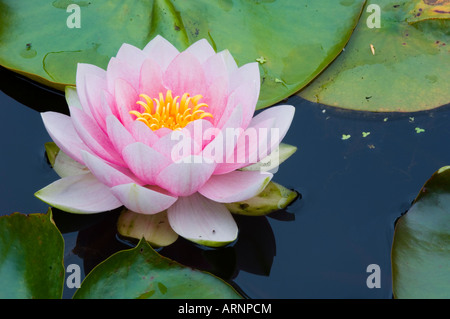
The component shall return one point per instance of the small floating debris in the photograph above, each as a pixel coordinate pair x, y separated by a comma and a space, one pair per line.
345, 136
419, 130
372, 48
365, 134
261, 60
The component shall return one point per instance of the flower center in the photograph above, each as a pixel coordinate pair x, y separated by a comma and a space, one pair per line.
171, 112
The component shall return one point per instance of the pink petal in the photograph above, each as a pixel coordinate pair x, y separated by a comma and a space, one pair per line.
163, 131
244, 89
132, 56
251, 147
282, 116
86, 68
150, 81
248, 73
245, 95
224, 143
176, 145
255, 143
141, 199
202, 50
95, 86
118, 69
144, 161
60, 128
108, 104
214, 145
162, 51
203, 221
196, 130
105, 173
185, 177
271, 126
81, 194
242, 99
233, 119
216, 98
230, 62
185, 75
221, 64
142, 133
83, 70
235, 186
118, 134
93, 136
126, 97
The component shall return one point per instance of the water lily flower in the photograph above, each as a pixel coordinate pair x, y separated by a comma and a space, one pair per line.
126, 121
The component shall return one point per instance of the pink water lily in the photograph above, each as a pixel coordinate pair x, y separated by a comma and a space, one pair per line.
122, 127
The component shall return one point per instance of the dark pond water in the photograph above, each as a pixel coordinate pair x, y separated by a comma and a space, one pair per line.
352, 191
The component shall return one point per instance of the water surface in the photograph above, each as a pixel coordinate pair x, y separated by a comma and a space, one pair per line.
352, 191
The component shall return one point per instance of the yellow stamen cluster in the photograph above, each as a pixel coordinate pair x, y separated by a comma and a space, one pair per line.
171, 112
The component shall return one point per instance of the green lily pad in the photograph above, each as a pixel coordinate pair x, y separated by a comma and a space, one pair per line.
31, 257
403, 66
421, 247
274, 197
141, 273
293, 41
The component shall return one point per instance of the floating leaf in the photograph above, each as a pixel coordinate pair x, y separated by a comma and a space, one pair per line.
297, 39
421, 247
409, 70
141, 273
272, 198
31, 257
